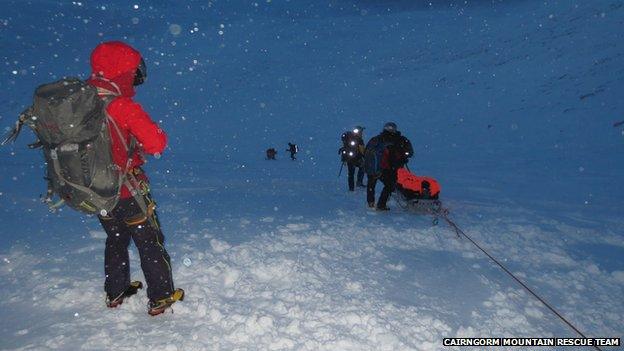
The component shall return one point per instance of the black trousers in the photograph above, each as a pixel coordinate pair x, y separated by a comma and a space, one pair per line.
148, 239
389, 179
360, 174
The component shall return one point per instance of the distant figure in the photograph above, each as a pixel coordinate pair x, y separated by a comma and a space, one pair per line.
271, 154
293, 149
384, 155
352, 153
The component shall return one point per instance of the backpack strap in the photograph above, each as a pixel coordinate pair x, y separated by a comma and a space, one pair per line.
105, 91
130, 149
140, 195
57, 169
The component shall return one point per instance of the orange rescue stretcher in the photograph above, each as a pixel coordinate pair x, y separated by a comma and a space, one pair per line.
414, 187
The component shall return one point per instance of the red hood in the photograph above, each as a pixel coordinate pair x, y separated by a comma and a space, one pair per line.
115, 62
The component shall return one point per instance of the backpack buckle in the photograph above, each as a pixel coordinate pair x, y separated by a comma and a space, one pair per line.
69, 147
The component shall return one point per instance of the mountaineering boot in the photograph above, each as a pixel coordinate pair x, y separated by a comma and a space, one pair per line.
371, 205
361, 185
159, 306
112, 302
383, 208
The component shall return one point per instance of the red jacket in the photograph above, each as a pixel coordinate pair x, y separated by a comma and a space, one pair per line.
113, 66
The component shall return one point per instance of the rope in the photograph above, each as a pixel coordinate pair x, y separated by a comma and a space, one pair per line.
458, 231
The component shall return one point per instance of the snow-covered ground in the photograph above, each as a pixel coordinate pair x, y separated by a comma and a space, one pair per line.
510, 104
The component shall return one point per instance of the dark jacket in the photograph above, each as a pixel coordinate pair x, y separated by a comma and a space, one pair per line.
351, 143
398, 149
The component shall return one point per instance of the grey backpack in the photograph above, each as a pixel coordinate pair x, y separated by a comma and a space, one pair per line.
71, 123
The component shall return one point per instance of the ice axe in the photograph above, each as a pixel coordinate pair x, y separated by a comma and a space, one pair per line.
12, 134
340, 172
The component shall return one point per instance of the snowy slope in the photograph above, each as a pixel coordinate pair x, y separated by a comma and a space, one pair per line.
509, 104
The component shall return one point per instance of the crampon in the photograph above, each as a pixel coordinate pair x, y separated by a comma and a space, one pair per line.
159, 306
112, 302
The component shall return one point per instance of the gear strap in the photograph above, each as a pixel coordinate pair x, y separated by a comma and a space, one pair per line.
141, 196
57, 169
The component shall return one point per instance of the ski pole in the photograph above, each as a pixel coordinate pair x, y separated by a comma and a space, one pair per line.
340, 172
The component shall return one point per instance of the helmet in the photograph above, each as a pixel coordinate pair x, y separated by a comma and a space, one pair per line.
141, 74
358, 130
390, 127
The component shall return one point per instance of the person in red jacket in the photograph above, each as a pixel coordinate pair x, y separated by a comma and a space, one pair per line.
116, 69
